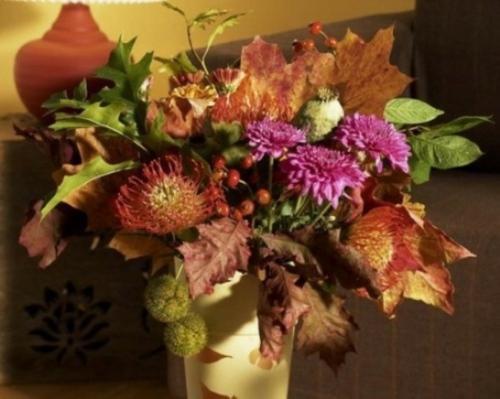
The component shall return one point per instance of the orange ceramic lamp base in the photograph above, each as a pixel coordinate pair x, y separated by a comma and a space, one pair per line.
70, 51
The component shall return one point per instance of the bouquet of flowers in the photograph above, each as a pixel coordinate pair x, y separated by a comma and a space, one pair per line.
295, 171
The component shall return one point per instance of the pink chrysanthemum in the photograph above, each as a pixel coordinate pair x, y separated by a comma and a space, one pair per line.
377, 138
272, 138
166, 199
322, 172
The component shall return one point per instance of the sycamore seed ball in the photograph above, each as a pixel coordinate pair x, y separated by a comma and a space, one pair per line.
187, 336
166, 299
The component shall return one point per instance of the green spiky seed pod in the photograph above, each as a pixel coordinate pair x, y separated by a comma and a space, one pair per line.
166, 299
187, 336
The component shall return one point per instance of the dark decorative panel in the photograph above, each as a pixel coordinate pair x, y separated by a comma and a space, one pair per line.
81, 318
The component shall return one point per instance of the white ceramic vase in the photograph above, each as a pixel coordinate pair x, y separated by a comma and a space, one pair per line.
231, 366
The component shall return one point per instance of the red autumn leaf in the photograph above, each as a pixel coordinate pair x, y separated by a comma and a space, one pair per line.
60, 150
326, 329
293, 82
340, 264
49, 237
273, 88
220, 251
409, 254
281, 303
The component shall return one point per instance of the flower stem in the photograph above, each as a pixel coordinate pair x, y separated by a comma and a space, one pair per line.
325, 209
270, 189
179, 271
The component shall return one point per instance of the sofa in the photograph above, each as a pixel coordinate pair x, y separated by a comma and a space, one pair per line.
451, 49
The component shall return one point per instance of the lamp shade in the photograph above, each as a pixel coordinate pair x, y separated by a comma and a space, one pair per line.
71, 50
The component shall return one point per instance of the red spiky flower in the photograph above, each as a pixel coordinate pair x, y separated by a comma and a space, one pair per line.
171, 194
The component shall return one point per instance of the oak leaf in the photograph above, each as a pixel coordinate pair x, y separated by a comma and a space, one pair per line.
219, 252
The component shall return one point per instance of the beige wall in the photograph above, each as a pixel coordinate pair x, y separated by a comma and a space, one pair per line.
161, 30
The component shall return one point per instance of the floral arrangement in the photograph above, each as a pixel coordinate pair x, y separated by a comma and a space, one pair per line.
296, 171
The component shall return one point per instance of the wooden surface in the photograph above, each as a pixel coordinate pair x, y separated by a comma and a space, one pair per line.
103, 390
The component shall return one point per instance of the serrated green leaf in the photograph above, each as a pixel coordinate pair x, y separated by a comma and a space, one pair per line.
93, 170
227, 23
175, 65
62, 100
445, 152
206, 18
174, 8
128, 76
156, 139
456, 126
409, 111
93, 115
108, 117
81, 93
420, 171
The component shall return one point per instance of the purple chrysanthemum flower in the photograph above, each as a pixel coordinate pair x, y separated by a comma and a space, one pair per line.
272, 138
322, 172
377, 138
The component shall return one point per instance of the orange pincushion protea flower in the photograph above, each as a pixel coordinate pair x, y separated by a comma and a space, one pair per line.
166, 198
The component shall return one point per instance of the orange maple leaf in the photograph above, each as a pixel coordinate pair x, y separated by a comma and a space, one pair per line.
364, 76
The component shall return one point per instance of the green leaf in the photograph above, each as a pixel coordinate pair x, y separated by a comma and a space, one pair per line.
62, 100
93, 170
228, 22
156, 139
456, 126
445, 152
174, 8
206, 18
420, 171
128, 76
93, 115
108, 117
409, 111
175, 65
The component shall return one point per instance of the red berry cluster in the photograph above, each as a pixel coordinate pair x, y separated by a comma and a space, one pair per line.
231, 177
315, 29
